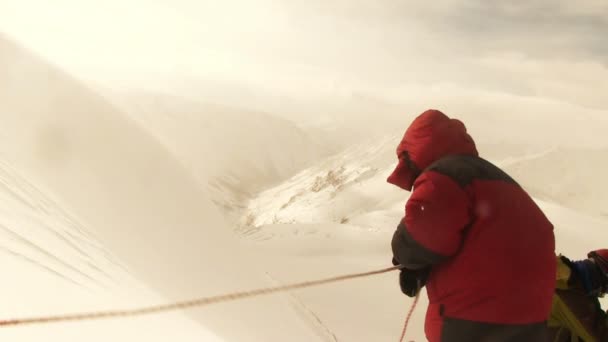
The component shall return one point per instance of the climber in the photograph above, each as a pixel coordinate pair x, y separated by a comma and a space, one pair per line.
473, 236
577, 314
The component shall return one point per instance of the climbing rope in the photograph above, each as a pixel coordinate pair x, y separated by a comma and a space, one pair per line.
190, 303
409, 316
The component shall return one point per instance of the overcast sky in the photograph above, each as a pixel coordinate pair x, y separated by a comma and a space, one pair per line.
554, 48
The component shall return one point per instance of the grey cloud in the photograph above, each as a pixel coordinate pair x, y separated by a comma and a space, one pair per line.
541, 29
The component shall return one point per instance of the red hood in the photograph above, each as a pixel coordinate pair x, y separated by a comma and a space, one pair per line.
600, 257
430, 137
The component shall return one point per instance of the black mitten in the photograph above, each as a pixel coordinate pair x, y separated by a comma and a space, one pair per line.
412, 281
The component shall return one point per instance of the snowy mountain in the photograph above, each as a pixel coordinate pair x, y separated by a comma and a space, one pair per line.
114, 199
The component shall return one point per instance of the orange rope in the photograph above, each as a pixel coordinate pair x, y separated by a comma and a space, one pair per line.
409, 316
188, 304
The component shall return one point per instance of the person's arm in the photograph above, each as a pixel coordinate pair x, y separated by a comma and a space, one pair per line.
435, 216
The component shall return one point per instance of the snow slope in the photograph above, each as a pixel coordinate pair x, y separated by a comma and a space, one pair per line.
54, 265
572, 177
371, 309
133, 194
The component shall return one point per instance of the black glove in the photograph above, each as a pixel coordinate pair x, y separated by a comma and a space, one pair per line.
412, 281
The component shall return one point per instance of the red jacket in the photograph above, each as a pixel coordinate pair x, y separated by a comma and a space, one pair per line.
491, 250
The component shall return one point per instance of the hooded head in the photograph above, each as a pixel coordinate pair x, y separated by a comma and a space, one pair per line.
594, 276
430, 137
600, 257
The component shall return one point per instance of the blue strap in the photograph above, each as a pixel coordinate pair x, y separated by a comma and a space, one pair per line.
582, 268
